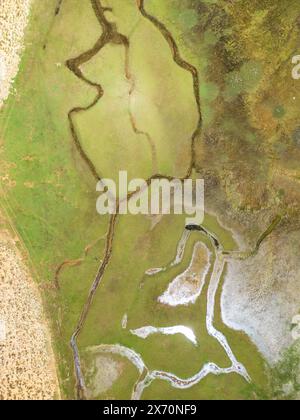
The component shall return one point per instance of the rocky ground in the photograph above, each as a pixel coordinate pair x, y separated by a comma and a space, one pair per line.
13, 20
27, 369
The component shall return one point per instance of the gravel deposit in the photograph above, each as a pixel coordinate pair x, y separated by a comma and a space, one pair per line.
27, 367
13, 20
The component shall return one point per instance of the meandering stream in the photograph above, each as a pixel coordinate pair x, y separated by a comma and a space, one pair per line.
147, 376
110, 35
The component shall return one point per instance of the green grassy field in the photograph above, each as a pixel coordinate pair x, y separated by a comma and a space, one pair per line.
50, 196
125, 289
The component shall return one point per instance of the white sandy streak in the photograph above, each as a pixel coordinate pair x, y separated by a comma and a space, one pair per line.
212, 331
182, 290
131, 355
179, 255
207, 369
145, 332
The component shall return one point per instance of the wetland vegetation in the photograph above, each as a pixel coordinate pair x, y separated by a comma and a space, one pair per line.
131, 85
